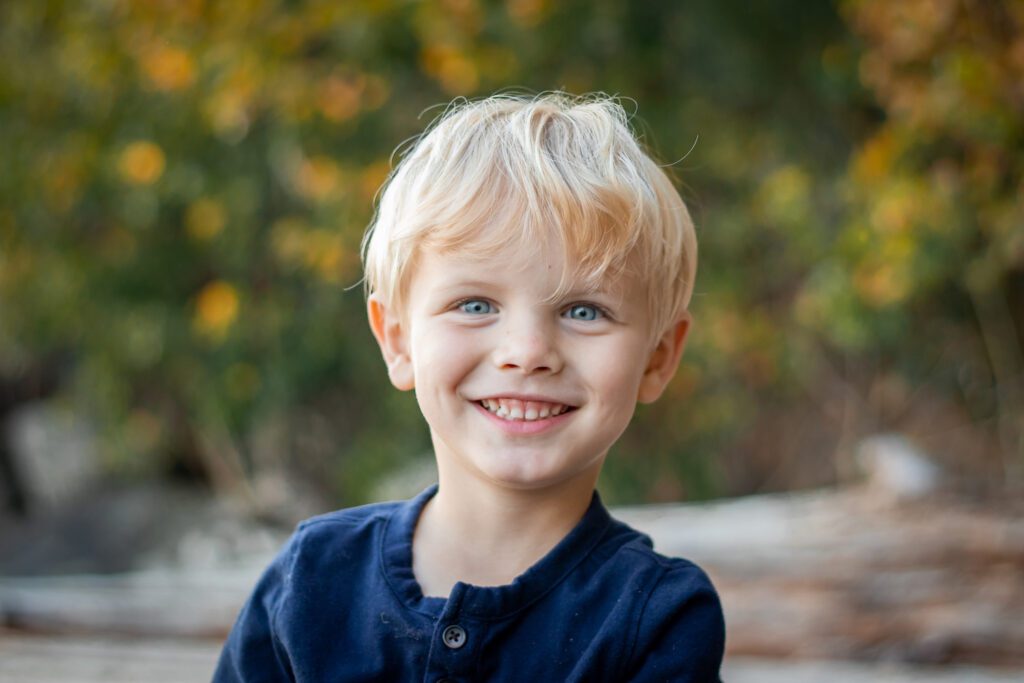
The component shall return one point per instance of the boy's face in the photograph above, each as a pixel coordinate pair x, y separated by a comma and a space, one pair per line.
517, 390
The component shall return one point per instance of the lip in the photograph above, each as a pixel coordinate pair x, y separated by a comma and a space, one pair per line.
524, 427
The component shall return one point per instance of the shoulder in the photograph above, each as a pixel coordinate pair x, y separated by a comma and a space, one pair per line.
679, 628
670, 579
683, 590
340, 536
673, 576
347, 520
625, 546
291, 592
662, 586
339, 543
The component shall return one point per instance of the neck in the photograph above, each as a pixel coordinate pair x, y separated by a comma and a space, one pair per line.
488, 535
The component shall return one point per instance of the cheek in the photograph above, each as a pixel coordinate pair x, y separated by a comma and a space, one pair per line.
426, 360
440, 358
619, 381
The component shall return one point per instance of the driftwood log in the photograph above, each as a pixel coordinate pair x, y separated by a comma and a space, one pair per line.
819, 575
852, 575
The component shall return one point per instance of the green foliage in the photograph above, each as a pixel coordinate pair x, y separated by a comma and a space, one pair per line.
931, 248
186, 185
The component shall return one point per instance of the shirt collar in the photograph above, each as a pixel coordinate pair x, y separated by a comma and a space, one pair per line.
493, 602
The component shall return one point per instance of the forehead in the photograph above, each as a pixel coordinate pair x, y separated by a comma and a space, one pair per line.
544, 270
510, 260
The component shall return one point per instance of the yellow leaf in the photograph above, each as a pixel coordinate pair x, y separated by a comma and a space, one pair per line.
457, 73
141, 163
875, 159
216, 309
372, 178
204, 219
527, 13
341, 97
168, 68
318, 178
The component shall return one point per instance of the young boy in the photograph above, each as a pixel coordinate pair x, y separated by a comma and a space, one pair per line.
529, 270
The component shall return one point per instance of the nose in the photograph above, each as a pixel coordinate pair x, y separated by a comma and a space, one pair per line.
528, 346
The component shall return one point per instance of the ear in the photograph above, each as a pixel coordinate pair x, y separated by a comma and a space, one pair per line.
664, 360
393, 338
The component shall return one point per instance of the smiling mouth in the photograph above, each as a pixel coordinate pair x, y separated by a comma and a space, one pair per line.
516, 410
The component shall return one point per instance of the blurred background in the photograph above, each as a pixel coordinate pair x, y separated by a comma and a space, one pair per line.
185, 185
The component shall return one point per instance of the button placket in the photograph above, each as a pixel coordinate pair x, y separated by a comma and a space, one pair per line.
455, 643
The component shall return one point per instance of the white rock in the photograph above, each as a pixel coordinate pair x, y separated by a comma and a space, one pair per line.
896, 467
55, 453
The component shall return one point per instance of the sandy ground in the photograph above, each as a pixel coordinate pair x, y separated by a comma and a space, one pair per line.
80, 660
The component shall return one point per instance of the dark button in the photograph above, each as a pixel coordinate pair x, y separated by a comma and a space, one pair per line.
454, 637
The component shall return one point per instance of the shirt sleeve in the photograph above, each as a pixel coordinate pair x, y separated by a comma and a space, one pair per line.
253, 651
681, 633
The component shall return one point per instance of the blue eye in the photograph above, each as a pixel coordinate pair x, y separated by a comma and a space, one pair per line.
476, 307
583, 312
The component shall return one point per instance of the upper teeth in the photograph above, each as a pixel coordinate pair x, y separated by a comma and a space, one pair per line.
514, 409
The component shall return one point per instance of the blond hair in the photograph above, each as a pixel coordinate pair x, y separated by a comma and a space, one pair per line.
534, 172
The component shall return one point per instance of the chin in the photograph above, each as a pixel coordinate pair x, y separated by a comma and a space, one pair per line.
523, 475
520, 479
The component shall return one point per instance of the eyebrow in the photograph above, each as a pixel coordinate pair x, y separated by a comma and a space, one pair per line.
486, 284
467, 284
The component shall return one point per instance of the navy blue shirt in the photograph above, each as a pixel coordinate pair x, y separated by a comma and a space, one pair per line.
340, 603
